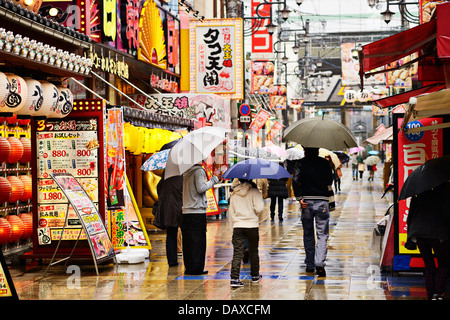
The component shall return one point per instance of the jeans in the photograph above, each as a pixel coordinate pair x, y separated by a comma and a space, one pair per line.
355, 171
273, 202
316, 213
239, 236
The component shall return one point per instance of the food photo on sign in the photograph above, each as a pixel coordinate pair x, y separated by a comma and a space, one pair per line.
262, 76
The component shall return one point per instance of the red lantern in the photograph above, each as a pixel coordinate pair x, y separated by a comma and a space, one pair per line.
5, 149
12, 120
5, 230
27, 225
17, 228
5, 190
16, 149
27, 188
17, 188
26, 143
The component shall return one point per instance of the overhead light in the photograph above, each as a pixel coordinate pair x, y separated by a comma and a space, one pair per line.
53, 12
387, 15
271, 28
295, 48
28, 2
299, 2
372, 3
285, 13
284, 60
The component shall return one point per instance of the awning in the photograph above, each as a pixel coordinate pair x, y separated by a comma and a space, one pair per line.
443, 30
385, 135
382, 52
404, 97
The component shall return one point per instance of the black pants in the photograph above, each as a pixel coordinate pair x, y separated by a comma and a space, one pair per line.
193, 229
435, 278
273, 202
239, 236
171, 246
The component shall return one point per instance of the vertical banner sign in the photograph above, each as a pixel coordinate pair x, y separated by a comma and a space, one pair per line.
109, 20
216, 57
261, 39
414, 149
93, 226
259, 120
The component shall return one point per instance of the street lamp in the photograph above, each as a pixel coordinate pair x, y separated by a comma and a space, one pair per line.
372, 3
271, 28
299, 2
285, 13
387, 15
295, 48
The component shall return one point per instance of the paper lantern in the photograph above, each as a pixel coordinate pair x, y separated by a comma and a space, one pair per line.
50, 99
27, 188
350, 96
17, 188
5, 190
34, 97
5, 149
17, 228
27, 225
26, 156
4, 88
363, 96
65, 102
16, 150
17, 95
5, 230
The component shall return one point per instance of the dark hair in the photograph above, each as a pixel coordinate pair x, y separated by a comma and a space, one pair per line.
248, 181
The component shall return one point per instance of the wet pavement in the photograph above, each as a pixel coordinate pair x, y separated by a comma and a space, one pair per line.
352, 265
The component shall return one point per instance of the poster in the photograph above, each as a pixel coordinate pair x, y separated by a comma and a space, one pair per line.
414, 149
260, 120
216, 57
67, 146
262, 77
426, 9
278, 97
93, 226
7, 289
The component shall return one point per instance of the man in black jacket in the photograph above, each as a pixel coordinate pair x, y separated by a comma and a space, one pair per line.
312, 176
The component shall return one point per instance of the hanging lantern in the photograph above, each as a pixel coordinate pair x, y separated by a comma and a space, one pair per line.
17, 188
27, 187
17, 95
16, 150
34, 97
5, 149
65, 102
50, 99
26, 143
350, 96
5, 230
4, 88
5, 190
17, 228
363, 96
27, 225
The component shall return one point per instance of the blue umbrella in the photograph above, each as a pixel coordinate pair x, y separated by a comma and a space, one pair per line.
256, 169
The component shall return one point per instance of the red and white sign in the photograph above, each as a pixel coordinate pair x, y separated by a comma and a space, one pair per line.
260, 120
414, 149
261, 39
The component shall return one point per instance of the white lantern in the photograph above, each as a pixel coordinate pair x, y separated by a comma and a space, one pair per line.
363, 96
350, 96
17, 94
65, 102
34, 97
50, 100
4, 88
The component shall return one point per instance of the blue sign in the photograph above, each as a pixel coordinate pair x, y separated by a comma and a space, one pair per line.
244, 109
414, 136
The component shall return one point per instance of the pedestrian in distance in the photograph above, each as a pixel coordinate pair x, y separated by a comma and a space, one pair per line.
355, 166
361, 167
246, 210
278, 191
311, 179
428, 229
193, 227
170, 202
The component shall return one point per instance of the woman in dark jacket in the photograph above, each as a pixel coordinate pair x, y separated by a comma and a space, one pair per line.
170, 202
277, 190
428, 228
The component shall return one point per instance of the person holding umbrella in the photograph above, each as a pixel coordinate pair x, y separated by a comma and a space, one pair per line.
311, 179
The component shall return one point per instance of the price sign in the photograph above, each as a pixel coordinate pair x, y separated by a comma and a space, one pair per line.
7, 289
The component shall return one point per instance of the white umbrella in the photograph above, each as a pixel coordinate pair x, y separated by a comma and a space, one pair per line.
294, 154
320, 133
192, 149
372, 160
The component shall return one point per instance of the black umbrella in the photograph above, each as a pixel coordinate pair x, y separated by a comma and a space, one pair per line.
342, 156
170, 144
431, 174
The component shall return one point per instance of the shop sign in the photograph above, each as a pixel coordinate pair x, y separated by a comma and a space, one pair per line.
109, 25
260, 120
414, 149
216, 57
261, 39
163, 83
110, 65
129, 16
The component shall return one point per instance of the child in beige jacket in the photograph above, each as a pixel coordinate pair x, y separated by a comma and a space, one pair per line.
246, 210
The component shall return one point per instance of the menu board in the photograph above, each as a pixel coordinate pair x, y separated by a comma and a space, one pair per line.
67, 146
7, 289
93, 226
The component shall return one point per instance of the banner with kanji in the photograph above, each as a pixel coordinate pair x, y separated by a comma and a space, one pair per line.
259, 120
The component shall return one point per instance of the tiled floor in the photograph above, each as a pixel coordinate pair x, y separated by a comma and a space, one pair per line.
352, 267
